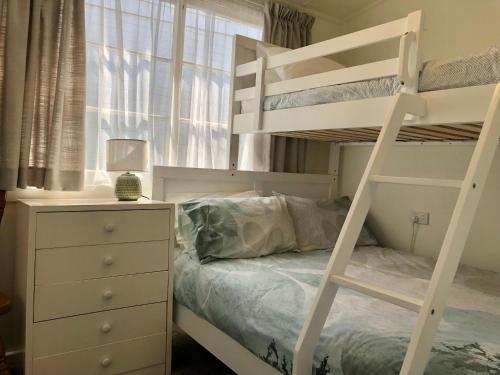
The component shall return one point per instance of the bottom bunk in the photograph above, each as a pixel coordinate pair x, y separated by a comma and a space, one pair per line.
262, 303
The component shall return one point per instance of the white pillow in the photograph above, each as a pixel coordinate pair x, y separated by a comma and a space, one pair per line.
301, 69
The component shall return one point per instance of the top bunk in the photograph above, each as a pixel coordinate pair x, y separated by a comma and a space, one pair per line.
300, 93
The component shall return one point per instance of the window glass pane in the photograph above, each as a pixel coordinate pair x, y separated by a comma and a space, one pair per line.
204, 99
129, 50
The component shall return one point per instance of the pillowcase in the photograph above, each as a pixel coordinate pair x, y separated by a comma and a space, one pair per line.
236, 227
318, 223
301, 69
178, 198
366, 236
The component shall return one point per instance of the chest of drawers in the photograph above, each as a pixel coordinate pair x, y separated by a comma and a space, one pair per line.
94, 286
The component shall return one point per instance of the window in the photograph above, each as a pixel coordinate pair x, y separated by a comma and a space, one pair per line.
204, 104
130, 67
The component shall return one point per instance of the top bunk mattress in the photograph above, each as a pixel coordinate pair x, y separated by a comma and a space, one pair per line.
479, 69
262, 303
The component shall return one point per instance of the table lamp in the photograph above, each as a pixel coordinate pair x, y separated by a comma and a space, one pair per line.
127, 155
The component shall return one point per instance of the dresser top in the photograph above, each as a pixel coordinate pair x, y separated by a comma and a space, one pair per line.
93, 204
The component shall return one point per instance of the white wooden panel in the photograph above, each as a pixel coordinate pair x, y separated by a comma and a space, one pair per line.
259, 93
395, 298
109, 359
356, 73
229, 351
342, 43
244, 94
181, 181
453, 106
59, 229
246, 69
357, 113
417, 181
84, 331
66, 264
60, 300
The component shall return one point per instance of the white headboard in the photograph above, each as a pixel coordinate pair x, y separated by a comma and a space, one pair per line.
171, 181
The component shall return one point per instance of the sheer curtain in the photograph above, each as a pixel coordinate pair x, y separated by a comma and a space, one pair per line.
129, 62
130, 66
200, 137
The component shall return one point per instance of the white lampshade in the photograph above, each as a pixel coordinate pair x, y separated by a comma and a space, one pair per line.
126, 155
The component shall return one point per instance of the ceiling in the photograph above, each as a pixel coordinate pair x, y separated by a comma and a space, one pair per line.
339, 9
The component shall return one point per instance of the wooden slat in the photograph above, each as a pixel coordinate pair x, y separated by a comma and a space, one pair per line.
383, 294
417, 181
459, 131
244, 94
342, 43
435, 131
356, 73
406, 134
246, 69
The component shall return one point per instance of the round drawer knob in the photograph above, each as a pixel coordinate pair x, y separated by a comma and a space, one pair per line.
107, 294
108, 260
106, 362
106, 327
110, 227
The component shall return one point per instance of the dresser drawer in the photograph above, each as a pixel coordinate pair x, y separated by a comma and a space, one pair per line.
84, 331
64, 264
62, 229
116, 358
60, 300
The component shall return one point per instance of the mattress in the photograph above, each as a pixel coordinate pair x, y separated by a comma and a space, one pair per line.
479, 69
262, 303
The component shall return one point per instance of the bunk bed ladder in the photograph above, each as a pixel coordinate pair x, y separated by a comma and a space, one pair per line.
429, 310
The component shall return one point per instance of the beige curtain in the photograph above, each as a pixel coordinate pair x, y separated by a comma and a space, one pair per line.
287, 27
42, 100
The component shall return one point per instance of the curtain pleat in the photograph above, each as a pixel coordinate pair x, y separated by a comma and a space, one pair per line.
287, 27
14, 25
50, 137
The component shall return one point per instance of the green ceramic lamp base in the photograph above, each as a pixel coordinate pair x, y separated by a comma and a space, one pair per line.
128, 187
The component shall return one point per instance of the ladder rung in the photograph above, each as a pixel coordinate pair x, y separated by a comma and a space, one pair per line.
395, 298
436, 182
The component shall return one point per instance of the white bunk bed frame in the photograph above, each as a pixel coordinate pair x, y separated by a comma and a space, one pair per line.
479, 104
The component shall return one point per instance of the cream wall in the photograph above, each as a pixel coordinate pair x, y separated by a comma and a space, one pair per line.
451, 27
390, 214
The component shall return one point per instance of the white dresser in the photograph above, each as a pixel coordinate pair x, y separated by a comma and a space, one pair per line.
94, 284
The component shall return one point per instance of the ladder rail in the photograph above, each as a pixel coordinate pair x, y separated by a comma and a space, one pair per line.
341, 254
454, 242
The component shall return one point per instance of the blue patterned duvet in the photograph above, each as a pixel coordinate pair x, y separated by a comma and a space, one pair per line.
263, 302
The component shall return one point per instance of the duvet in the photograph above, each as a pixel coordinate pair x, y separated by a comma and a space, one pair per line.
262, 303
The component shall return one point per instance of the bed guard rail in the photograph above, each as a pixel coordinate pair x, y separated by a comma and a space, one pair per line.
406, 66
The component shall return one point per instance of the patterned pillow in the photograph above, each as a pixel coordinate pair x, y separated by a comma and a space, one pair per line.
366, 237
318, 222
236, 227
179, 198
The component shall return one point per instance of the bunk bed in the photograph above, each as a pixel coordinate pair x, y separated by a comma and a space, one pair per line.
444, 114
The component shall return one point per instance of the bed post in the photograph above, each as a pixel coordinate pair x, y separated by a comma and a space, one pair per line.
333, 168
233, 139
409, 54
243, 52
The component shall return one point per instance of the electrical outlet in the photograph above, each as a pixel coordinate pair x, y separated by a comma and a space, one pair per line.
420, 217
